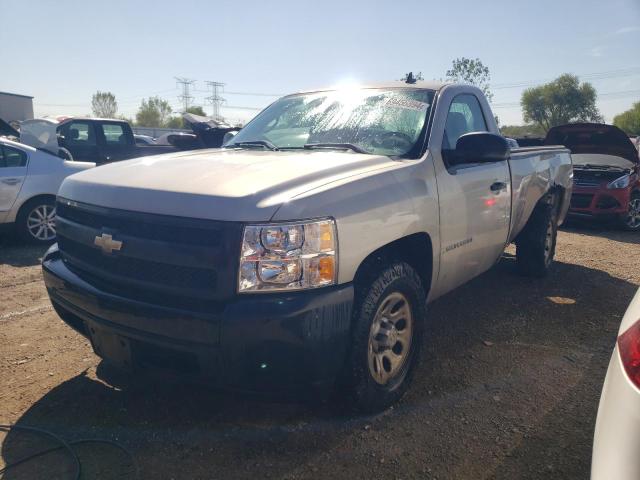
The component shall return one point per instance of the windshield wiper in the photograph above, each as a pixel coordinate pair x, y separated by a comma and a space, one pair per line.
337, 146
255, 143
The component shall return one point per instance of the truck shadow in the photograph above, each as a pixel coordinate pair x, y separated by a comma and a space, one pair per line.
496, 336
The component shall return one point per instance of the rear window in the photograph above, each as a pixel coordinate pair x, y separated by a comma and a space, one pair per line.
114, 134
78, 133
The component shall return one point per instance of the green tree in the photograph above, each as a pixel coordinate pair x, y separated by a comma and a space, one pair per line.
196, 111
473, 72
104, 105
175, 122
153, 112
562, 101
629, 121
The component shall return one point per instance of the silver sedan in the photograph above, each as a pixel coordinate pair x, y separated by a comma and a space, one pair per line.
29, 181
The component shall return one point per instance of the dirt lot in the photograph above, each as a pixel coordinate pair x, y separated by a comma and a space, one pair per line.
508, 387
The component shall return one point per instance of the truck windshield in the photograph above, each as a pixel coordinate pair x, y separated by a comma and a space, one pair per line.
365, 120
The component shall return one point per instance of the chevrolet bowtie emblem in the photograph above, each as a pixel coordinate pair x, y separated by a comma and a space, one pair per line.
107, 243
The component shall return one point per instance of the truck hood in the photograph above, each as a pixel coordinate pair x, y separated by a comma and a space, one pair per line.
242, 185
595, 139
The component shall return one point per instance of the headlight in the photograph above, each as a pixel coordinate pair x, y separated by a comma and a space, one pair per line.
622, 182
288, 256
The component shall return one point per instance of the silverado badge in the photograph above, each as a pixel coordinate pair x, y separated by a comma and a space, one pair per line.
107, 243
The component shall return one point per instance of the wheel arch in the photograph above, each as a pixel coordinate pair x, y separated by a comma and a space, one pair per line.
41, 196
415, 249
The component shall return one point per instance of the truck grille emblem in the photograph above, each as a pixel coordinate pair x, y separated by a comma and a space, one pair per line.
107, 244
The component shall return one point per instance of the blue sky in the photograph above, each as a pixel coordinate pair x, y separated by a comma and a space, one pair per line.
62, 51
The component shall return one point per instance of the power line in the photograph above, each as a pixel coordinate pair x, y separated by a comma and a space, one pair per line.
234, 107
256, 94
587, 76
609, 95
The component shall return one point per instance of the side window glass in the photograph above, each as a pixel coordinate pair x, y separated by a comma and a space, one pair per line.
79, 134
114, 134
465, 116
11, 157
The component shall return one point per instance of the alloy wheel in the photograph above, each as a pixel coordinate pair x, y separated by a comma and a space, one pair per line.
633, 214
41, 223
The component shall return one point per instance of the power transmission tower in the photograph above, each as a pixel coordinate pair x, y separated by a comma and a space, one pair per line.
215, 99
185, 98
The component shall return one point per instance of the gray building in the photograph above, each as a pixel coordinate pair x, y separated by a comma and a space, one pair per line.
15, 107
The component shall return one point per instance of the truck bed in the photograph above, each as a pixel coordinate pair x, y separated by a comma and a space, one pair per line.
534, 171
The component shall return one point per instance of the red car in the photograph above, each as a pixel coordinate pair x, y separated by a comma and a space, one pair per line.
605, 172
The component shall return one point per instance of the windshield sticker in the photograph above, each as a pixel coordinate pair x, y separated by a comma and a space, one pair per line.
407, 104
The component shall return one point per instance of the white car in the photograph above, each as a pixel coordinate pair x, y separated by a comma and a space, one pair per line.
29, 182
616, 444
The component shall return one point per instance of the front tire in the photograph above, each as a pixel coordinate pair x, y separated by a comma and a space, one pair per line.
35, 222
389, 313
631, 221
536, 244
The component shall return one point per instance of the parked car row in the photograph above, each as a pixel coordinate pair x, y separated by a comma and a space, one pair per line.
103, 141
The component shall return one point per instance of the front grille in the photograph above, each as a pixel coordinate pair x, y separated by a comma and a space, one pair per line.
581, 200
148, 271
163, 259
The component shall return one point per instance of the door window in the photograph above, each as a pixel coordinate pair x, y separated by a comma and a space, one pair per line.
114, 134
11, 157
79, 134
465, 116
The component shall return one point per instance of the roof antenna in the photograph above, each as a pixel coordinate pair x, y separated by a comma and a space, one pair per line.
410, 78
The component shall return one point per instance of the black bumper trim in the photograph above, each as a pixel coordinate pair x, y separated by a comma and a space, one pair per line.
259, 343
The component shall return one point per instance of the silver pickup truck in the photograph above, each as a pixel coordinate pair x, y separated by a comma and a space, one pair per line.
302, 255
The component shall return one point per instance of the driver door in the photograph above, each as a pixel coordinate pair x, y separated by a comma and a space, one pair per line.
475, 201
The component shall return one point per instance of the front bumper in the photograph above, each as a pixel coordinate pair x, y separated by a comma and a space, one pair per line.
616, 440
599, 203
266, 343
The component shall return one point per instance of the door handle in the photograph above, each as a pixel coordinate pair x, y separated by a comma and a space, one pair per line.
11, 181
498, 186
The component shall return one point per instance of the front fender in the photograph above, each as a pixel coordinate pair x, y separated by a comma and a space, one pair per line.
371, 211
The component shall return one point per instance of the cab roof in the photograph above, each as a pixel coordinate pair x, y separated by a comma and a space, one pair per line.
426, 85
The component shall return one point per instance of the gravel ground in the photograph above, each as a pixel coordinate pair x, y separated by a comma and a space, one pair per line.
508, 387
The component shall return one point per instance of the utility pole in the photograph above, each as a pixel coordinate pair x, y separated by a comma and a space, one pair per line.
185, 98
215, 99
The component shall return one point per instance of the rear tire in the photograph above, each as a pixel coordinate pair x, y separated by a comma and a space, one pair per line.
388, 319
35, 222
536, 244
631, 221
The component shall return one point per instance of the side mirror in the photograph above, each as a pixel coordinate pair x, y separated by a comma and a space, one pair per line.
228, 136
481, 147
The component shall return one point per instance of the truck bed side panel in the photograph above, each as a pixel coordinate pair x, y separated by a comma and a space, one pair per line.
534, 171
